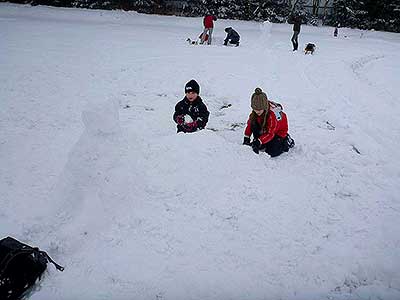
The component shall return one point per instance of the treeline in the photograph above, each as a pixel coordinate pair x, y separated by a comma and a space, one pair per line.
368, 14
365, 14
273, 10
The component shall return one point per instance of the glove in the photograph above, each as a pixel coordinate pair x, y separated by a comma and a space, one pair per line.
246, 141
191, 127
180, 119
256, 146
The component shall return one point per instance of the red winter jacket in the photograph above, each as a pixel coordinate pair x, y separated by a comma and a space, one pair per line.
208, 21
276, 124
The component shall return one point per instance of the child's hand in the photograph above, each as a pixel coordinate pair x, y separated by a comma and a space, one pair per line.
191, 127
256, 146
180, 119
246, 141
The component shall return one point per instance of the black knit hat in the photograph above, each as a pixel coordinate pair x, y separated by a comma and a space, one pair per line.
192, 86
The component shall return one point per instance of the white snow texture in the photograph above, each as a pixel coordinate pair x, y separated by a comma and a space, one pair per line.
93, 171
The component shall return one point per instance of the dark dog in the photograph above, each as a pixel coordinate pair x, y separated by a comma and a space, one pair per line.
310, 48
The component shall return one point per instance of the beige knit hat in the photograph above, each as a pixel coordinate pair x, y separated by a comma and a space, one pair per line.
259, 100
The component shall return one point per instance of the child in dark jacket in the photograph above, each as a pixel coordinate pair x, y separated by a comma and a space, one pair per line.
296, 32
269, 126
231, 36
191, 113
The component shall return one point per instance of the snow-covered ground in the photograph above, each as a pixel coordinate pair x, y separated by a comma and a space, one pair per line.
92, 170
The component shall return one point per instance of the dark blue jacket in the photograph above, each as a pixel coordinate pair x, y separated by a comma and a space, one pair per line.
232, 35
197, 110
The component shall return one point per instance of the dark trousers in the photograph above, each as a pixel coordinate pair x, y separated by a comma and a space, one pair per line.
294, 40
276, 146
232, 41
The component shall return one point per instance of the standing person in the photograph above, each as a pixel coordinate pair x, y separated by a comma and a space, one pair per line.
208, 23
296, 32
231, 36
336, 31
191, 113
269, 126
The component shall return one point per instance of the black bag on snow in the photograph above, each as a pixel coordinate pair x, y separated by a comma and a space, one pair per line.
20, 267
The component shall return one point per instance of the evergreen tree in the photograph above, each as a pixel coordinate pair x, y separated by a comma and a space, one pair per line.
368, 14
273, 10
364, 14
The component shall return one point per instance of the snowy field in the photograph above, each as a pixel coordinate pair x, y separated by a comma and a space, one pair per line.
93, 172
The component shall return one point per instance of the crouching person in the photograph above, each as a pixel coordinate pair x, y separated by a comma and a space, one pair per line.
191, 113
231, 36
269, 126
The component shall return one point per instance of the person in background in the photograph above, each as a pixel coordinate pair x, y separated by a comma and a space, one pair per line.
191, 113
231, 36
296, 32
336, 31
208, 23
269, 126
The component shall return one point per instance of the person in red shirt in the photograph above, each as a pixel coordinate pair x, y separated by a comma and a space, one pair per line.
208, 23
269, 126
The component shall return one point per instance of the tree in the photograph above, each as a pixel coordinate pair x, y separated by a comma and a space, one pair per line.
325, 8
368, 14
315, 7
296, 7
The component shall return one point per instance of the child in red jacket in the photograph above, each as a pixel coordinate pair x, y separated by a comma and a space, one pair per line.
269, 126
208, 23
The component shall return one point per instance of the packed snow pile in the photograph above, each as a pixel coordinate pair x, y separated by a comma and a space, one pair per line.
93, 171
